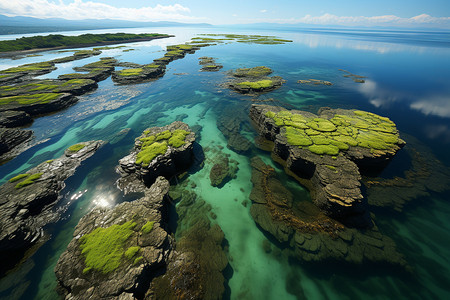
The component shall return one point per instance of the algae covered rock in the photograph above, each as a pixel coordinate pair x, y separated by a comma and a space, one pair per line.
159, 151
138, 74
28, 199
254, 80
326, 152
117, 252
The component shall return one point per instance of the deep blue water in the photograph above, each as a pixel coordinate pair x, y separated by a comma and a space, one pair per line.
408, 75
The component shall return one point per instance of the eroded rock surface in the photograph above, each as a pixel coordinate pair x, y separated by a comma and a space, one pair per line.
326, 152
311, 234
159, 151
27, 201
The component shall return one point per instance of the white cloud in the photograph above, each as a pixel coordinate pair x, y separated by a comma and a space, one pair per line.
385, 20
263, 10
79, 9
434, 105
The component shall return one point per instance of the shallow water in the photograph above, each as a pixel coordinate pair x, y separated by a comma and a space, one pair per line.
407, 80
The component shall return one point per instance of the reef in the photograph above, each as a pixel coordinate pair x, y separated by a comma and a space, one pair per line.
13, 141
425, 175
314, 82
28, 200
327, 153
354, 77
254, 80
159, 151
209, 64
223, 170
313, 236
230, 122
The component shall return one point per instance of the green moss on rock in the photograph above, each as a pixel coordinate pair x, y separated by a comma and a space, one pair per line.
104, 248
323, 136
147, 227
76, 147
29, 180
132, 251
18, 177
42, 98
148, 153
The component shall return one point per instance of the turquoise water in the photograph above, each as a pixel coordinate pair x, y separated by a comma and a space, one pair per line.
407, 80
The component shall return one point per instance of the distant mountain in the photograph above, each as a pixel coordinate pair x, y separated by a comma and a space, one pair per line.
17, 25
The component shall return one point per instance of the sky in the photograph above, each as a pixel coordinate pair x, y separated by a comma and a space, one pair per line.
402, 13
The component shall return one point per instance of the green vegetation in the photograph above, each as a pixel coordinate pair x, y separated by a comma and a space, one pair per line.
131, 252
76, 147
30, 180
57, 40
250, 39
30, 68
147, 227
131, 72
257, 85
104, 248
30, 99
353, 128
154, 145
18, 177
148, 153
253, 72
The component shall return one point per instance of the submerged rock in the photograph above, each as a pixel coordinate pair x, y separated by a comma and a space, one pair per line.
222, 171
115, 253
209, 64
230, 122
326, 153
254, 80
28, 200
310, 234
159, 151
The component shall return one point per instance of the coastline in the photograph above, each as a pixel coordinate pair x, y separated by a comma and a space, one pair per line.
31, 51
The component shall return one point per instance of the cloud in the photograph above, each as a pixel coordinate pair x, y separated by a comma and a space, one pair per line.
435, 105
263, 11
79, 9
384, 20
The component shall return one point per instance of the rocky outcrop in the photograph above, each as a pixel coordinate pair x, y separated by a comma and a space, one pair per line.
311, 234
138, 74
116, 253
254, 80
12, 118
209, 64
11, 138
38, 103
327, 152
97, 71
75, 87
27, 201
159, 151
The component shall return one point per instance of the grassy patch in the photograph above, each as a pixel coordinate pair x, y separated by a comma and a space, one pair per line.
29, 180
41, 98
178, 138
18, 177
131, 72
104, 248
131, 252
148, 153
76, 147
257, 85
147, 227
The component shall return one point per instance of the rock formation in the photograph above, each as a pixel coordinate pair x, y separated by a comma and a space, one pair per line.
159, 151
28, 198
327, 152
311, 234
254, 80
